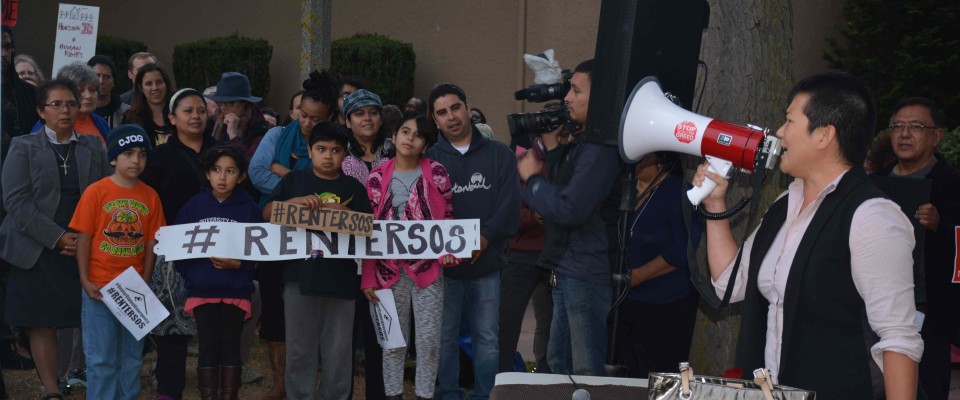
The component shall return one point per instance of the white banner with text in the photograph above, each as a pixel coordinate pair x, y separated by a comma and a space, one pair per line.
393, 240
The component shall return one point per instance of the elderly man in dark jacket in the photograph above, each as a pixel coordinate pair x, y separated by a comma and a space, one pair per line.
916, 129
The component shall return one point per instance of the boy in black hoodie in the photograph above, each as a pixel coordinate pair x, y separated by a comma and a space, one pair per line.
319, 293
485, 185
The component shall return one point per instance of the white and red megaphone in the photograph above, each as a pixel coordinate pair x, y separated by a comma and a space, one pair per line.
652, 123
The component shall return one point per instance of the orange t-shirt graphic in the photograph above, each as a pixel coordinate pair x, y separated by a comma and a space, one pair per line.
120, 221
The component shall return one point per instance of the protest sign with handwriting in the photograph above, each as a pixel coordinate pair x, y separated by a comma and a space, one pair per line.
323, 219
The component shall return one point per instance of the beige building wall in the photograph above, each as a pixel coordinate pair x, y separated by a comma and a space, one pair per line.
477, 44
167, 23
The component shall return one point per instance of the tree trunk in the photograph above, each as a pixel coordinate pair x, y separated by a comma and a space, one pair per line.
747, 51
315, 22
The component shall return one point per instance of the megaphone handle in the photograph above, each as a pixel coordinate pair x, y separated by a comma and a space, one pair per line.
717, 166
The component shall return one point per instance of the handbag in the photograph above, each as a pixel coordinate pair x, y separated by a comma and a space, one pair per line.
687, 386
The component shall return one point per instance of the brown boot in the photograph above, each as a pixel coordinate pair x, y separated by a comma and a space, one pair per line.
278, 363
208, 381
230, 382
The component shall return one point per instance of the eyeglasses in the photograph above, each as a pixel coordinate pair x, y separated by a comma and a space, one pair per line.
9, 47
913, 127
59, 105
345, 94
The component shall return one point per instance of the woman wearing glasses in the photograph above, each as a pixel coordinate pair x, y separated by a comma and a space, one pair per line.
239, 120
43, 177
86, 81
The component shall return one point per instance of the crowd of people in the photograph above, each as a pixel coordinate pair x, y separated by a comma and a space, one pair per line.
88, 176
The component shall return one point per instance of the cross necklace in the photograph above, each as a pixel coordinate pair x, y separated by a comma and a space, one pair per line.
65, 165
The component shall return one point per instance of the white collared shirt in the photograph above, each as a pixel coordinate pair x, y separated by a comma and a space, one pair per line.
52, 136
881, 263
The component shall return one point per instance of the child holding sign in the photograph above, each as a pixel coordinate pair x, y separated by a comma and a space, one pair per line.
411, 187
319, 293
115, 221
219, 289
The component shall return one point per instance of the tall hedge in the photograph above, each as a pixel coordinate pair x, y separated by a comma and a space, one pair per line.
902, 48
199, 64
386, 65
119, 50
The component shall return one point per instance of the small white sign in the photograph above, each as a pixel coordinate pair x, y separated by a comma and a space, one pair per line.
131, 301
386, 322
76, 34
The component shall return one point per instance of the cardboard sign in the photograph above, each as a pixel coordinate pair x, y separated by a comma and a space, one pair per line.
133, 303
10, 10
394, 240
386, 323
324, 219
76, 35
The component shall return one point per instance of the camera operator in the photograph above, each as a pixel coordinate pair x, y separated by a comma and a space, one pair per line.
576, 245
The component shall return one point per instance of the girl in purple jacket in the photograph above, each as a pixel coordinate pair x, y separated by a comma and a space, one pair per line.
219, 289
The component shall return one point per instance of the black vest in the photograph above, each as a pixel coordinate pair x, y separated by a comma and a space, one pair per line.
826, 337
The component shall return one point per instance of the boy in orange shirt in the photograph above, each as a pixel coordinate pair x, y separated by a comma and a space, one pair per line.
116, 220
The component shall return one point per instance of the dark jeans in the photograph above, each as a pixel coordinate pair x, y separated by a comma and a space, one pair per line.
655, 337
171, 370
520, 280
218, 329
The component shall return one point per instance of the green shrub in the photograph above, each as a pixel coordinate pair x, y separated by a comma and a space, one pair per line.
199, 64
119, 50
384, 64
950, 146
900, 49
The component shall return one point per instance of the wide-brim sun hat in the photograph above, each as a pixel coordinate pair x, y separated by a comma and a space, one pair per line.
233, 86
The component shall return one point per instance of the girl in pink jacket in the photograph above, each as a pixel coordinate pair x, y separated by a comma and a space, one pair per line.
411, 187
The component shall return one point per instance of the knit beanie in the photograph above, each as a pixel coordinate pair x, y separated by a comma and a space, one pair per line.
360, 99
125, 137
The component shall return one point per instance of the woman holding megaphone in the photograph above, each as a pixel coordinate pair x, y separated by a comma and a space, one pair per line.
825, 282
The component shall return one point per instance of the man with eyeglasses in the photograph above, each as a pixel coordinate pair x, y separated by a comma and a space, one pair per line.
916, 130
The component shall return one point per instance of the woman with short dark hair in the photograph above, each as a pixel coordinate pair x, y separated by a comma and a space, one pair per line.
88, 85
43, 177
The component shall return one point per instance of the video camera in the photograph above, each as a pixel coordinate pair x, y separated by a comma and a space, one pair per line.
523, 124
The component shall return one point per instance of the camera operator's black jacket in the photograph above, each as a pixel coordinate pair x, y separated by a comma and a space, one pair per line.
578, 206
